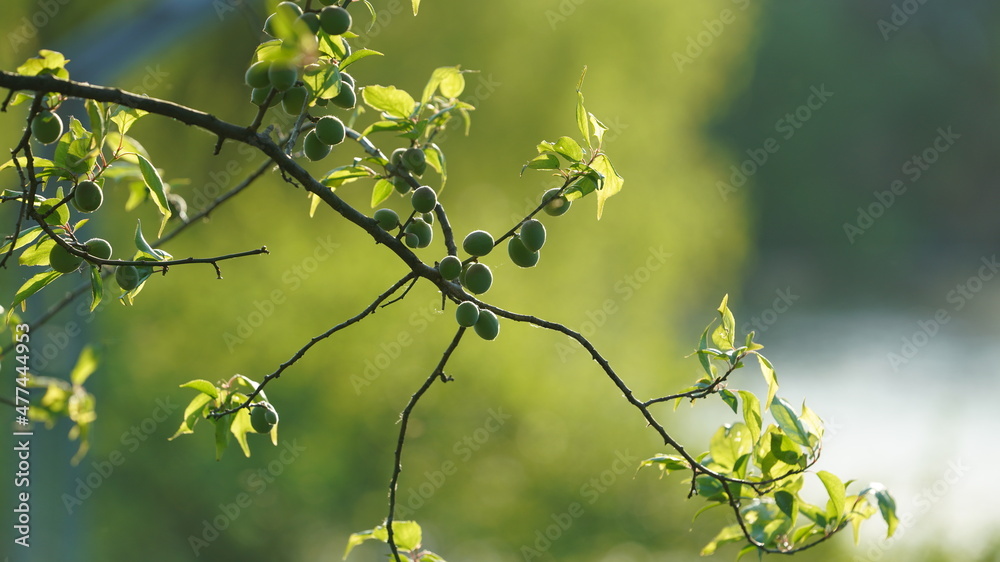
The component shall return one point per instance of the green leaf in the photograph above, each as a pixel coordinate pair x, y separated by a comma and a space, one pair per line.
728, 444
887, 506
155, 185
127, 149
581, 117
32, 286
542, 162
344, 174
789, 422
240, 427
416, 6
37, 254
59, 216
382, 190
383, 126
861, 511
769, 377
568, 149
141, 244
813, 424
724, 336
40, 164
436, 160
222, 434
449, 79
406, 534
76, 152
747, 550
25, 237
612, 181
96, 287
322, 80
357, 538
389, 100
599, 128
358, 55
705, 361
581, 187
732, 533
125, 117
96, 112
193, 413
666, 463
730, 399
85, 366
838, 496
751, 414
202, 386
47, 62
787, 503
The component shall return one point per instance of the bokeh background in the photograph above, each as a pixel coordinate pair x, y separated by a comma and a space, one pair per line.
838, 278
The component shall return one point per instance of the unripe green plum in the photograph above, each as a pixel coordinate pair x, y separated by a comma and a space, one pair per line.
402, 186
345, 98
314, 148
415, 160
478, 278
533, 235
263, 417
555, 204
47, 127
347, 79
428, 217
478, 243
62, 261
387, 218
99, 248
411, 240
450, 267
127, 277
331, 130
256, 75
335, 20
487, 325
423, 199
467, 314
396, 158
311, 21
87, 197
282, 75
424, 232
259, 95
519, 254
291, 6
294, 100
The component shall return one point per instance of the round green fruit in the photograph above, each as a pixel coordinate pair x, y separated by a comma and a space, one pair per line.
396, 158
282, 76
533, 235
450, 268
335, 20
294, 100
346, 98
555, 204
263, 417
478, 243
47, 127
423, 199
424, 232
311, 21
62, 261
331, 130
415, 160
347, 79
99, 248
387, 218
256, 76
127, 277
487, 325
467, 314
259, 95
292, 7
87, 197
519, 254
411, 240
402, 186
478, 278
428, 217
314, 148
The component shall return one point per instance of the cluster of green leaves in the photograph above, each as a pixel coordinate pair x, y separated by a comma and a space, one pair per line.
585, 170
225, 395
406, 534
759, 471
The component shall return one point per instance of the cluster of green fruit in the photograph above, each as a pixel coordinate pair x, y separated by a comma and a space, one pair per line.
263, 417
417, 233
